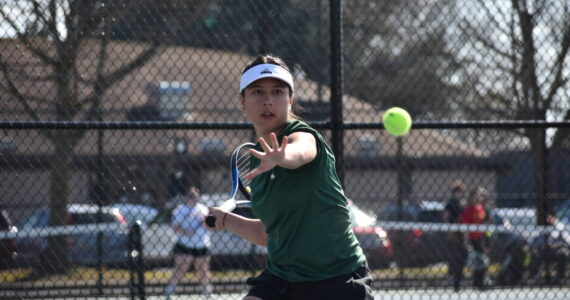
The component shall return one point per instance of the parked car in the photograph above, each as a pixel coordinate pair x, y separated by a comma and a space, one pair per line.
81, 247
133, 212
230, 251
563, 212
500, 243
416, 247
547, 246
8, 251
158, 238
511, 248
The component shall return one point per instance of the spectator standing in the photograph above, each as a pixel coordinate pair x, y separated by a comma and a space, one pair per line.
457, 254
193, 243
474, 213
454, 206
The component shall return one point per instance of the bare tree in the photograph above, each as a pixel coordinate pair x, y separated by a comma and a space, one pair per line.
396, 54
517, 67
56, 33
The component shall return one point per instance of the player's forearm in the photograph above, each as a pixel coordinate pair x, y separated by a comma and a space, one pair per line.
250, 229
297, 155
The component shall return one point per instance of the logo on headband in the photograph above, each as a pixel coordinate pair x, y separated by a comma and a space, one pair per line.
266, 71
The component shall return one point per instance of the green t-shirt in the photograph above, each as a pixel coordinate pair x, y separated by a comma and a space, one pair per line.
305, 215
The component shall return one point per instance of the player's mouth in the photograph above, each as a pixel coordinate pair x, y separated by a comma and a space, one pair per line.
267, 115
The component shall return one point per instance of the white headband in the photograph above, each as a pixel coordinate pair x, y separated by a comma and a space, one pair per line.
264, 71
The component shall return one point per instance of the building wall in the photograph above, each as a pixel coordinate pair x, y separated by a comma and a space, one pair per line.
434, 185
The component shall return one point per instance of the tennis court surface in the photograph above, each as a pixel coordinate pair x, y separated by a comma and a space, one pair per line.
431, 294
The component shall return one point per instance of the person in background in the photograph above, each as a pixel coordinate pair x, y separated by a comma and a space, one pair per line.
474, 213
457, 254
456, 202
193, 243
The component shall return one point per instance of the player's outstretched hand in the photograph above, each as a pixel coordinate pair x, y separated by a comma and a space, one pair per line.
270, 157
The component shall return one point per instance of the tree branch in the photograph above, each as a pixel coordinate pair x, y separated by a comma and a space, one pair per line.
492, 16
470, 31
13, 90
138, 62
103, 82
559, 65
529, 80
49, 23
23, 37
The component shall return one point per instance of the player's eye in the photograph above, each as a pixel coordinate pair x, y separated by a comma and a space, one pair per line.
277, 91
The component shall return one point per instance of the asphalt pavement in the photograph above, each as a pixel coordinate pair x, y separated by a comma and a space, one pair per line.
518, 293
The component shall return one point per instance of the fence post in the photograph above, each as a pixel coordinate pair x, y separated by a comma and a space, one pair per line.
337, 134
136, 262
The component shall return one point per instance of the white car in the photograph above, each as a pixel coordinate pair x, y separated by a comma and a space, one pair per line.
158, 238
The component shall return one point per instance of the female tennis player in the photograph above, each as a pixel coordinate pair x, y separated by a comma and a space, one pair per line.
296, 194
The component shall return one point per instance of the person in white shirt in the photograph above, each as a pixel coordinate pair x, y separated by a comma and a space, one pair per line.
193, 243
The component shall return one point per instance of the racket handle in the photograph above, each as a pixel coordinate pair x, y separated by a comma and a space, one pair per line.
228, 206
211, 221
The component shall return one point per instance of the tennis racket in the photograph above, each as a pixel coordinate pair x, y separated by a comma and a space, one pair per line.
240, 165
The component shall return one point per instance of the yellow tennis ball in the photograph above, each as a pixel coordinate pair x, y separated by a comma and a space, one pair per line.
248, 189
397, 121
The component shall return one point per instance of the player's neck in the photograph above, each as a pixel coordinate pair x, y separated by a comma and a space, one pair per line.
266, 134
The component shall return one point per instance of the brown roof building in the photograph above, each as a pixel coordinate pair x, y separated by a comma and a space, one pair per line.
185, 84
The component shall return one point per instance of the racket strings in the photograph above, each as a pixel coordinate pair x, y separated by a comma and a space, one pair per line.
243, 165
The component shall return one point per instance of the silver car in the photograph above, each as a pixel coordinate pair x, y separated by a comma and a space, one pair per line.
158, 238
81, 246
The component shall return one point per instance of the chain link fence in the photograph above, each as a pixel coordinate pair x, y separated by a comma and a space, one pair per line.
112, 109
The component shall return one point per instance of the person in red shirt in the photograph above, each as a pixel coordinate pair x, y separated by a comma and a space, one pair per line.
474, 213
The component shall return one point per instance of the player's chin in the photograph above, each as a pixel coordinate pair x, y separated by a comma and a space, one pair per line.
268, 125
267, 120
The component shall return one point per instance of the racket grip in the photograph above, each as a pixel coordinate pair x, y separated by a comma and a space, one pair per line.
228, 206
210, 221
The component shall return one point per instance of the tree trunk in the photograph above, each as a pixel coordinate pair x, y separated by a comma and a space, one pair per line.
55, 259
543, 175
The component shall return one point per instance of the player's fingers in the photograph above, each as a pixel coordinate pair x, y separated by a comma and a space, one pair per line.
259, 170
252, 174
264, 145
274, 142
256, 153
284, 142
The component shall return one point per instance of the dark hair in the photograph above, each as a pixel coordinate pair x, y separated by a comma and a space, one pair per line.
267, 59
274, 60
481, 191
458, 185
193, 192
